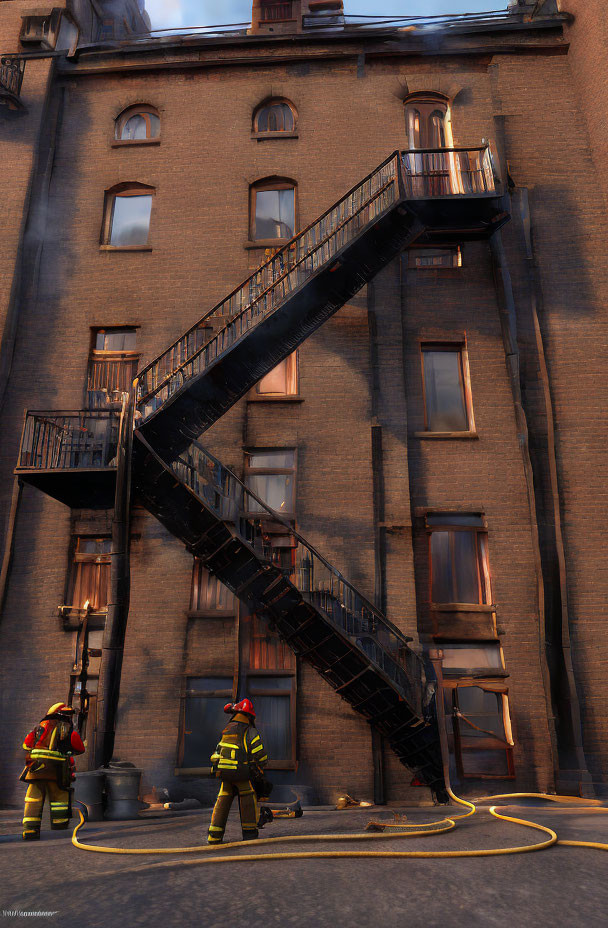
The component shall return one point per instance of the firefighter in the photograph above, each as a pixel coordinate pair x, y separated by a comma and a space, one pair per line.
49, 769
238, 753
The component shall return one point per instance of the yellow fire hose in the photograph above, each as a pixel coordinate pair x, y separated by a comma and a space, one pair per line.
428, 828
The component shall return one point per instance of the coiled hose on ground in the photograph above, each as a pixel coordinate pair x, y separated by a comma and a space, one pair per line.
404, 831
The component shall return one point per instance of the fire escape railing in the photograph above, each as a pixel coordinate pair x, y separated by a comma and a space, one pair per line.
11, 76
431, 174
60, 440
267, 287
321, 584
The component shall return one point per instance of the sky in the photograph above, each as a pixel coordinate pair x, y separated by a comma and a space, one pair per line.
174, 13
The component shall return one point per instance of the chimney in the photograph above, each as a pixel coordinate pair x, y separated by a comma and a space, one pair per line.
276, 17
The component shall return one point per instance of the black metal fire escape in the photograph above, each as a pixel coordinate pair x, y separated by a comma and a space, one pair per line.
440, 195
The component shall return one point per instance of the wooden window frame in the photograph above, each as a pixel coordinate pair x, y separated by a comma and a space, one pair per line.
291, 763
129, 189
210, 612
426, 103
269, 183
454, 251
272, 471
69, 612
477, 530
98, 354
257, 133
256, 397
464, 379
143, 109
489, 743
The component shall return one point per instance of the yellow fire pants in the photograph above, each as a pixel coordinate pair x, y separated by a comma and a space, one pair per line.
248, 807
34, 804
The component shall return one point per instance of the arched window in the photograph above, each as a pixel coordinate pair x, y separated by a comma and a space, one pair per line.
139, 123
430, 172
274, 116
426, 120
272, 210
127, 211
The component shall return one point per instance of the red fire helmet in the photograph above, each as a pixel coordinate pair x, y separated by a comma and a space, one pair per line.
245, 705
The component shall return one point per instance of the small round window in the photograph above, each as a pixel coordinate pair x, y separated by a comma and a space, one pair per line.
274, 116
137, 124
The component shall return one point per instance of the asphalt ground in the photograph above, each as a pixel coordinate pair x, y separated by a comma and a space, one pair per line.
559, 886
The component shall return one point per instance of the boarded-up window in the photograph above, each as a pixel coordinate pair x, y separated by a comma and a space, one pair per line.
447, 400
209, 595
90, 574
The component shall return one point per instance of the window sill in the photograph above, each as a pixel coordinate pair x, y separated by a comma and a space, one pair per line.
122, 143
267, 243
462, 607
276, 398
207, 771
261, 136
467, 673
212, 614
446, 435
125, 247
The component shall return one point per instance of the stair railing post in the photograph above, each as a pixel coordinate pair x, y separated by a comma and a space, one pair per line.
118, 605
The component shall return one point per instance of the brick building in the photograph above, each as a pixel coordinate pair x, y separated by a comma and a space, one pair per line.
437, 441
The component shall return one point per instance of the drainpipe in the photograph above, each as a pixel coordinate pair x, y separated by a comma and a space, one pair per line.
118, 606
508, 324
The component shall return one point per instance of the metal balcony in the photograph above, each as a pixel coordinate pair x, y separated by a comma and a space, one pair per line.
11, 78
71, 455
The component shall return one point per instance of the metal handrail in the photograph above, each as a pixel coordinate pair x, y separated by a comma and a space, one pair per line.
284, 249
65, 440
221, 490
290, 268
264, 290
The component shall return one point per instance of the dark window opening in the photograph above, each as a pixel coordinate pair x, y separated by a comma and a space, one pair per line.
479, 731
460, 570
203, 718
434, 257
446, 386
275, 116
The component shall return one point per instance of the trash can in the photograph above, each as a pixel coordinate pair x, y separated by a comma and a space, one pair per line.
122, 791
88, 789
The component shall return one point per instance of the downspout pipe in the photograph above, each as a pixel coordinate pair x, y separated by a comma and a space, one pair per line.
118, 606
508, 324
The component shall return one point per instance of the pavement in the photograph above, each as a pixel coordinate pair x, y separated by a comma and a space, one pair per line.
559, 886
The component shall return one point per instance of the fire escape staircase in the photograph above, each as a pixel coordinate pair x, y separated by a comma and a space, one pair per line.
433, 196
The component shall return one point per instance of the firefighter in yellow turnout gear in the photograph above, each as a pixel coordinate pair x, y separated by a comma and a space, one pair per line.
239, 749
49, 765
